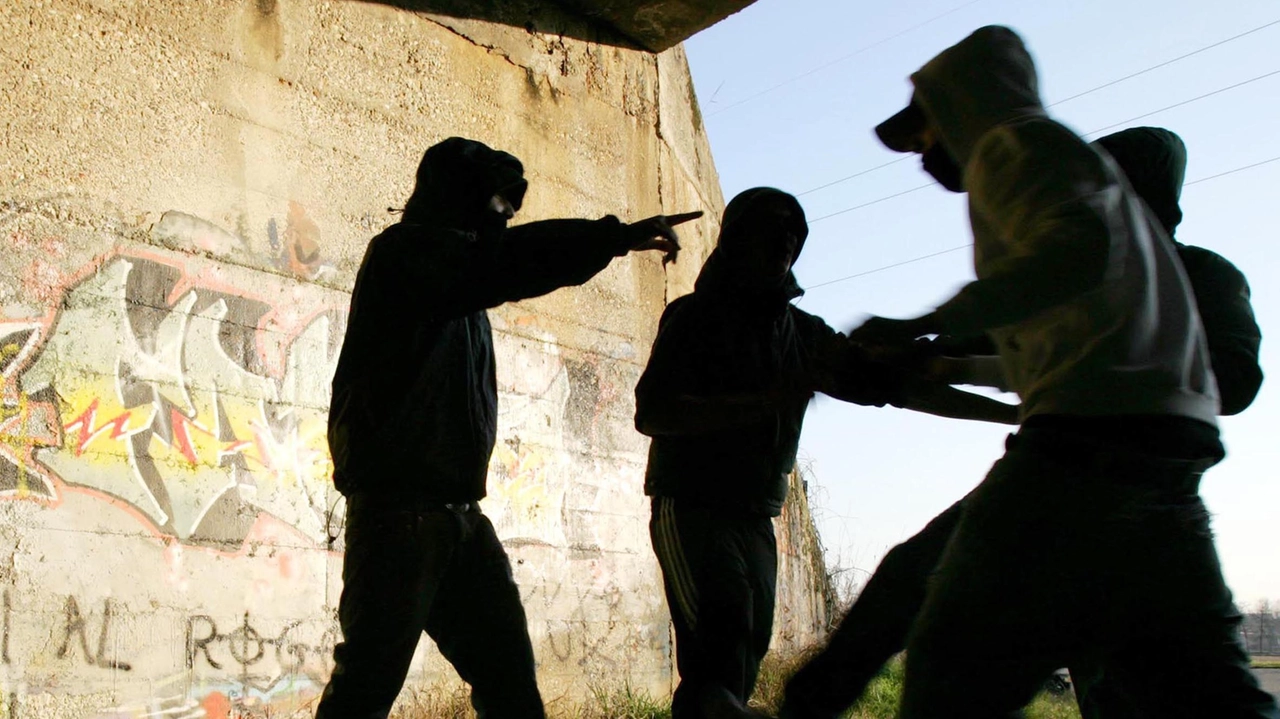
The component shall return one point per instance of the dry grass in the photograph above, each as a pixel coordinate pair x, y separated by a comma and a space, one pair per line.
436, 703
455, 703
880, 701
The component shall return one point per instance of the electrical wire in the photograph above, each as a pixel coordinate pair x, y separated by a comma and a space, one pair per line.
840, 59
957, 248
1083, 93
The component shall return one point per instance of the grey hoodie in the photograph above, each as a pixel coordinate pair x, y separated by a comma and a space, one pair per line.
1085, 299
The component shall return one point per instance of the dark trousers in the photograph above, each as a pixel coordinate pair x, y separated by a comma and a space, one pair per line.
720, 575
438, 570
875, 627
1075, 553
1115, 678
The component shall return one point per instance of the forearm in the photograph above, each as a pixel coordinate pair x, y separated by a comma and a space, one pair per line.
1015, 295
540, 257
980, 371
944, 401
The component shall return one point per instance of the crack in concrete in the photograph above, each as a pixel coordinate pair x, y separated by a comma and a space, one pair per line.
493, 50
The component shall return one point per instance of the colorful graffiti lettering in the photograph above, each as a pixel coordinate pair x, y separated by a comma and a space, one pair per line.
161, 382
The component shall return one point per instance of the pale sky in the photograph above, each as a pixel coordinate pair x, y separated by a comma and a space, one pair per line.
789, 91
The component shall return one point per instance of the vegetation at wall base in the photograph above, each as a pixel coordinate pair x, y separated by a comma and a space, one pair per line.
881, 699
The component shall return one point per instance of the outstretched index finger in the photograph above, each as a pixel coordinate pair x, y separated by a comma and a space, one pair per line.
683, 217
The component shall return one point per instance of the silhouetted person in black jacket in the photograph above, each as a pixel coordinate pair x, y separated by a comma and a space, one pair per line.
723, 396
412, 426
876, 627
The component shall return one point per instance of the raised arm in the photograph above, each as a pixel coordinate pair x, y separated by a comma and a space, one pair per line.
937, 398
854, 375
448, 274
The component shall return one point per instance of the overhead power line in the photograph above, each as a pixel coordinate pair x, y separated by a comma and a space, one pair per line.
1186, 102
1232, 172
1093, 132
1166, 63
872, 202
856, 174
957, 248
890, 267
840, 59
1091, 90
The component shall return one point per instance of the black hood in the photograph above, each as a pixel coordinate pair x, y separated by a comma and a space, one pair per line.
1155, 161
715, 275
456, 179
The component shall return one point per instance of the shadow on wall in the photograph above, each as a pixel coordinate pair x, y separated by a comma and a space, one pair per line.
531, 15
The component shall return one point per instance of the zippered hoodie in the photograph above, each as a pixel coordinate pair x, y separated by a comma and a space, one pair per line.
414, 410
1085, 299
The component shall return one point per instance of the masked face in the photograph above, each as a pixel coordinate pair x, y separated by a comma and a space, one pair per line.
769, 244
493, 218
939, 163
500, 205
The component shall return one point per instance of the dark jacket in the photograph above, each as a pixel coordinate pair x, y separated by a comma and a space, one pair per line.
1154, 160
414, 409
723, 340
1222, 296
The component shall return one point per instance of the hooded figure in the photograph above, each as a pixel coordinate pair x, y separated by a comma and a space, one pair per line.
738, 334
412, 426
1098, 333
876, 627
723, 397
1155, 161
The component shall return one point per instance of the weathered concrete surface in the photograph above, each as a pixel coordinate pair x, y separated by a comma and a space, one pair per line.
186, 190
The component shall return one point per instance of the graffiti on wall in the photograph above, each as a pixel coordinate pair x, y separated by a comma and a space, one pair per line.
78, 636
242, 672
235, 667
164, 382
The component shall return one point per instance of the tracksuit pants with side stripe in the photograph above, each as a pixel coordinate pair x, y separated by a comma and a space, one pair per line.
720, 575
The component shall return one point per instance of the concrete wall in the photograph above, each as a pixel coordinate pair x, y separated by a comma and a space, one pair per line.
185, 194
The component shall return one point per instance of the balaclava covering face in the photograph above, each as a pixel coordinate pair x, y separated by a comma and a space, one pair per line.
456, 180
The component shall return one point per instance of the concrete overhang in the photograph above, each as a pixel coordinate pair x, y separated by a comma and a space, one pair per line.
657, 24
652, 25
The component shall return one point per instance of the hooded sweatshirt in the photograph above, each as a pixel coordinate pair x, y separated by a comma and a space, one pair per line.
1086, 302
414, 410
1155, 160
724, 339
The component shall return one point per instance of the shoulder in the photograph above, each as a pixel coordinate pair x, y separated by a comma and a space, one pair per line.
679, 314
1213, 267
680, 306
1038, 153
809, 323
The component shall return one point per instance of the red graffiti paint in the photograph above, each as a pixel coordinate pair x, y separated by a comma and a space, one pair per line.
86, 427
216, 706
